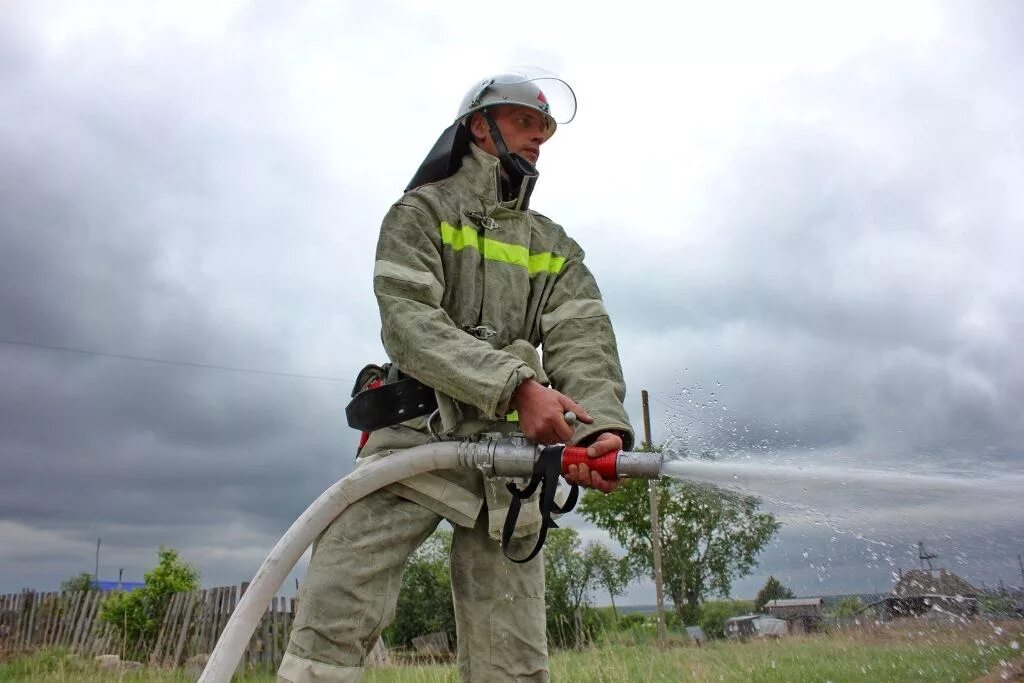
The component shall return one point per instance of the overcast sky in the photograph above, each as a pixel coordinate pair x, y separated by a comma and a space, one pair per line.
806, 221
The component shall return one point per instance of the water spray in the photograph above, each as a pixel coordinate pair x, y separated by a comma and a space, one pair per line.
513, 457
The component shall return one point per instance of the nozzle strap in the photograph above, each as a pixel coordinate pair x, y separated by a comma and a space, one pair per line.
546, 471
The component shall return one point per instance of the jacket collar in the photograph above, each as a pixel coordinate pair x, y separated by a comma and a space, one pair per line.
481, 175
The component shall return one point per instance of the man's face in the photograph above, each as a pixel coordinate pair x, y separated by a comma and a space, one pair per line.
523, 129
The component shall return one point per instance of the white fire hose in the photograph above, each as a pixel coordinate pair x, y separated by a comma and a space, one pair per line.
504, 457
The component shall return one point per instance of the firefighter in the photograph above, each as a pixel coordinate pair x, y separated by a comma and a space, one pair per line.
470, 281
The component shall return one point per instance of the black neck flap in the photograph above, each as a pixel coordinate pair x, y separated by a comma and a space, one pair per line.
546, 471
444, 158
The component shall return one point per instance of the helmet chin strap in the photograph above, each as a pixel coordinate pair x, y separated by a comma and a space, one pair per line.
522, 175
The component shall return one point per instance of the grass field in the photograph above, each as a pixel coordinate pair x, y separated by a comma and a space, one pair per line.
904, 653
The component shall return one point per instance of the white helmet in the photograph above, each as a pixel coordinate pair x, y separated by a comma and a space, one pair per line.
524, 86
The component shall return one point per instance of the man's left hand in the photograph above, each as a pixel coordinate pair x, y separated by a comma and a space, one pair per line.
606, 442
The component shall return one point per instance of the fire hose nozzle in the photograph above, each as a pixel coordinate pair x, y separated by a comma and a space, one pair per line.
508, 458
615, 465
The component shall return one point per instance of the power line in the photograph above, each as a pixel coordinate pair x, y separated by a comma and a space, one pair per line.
148, 359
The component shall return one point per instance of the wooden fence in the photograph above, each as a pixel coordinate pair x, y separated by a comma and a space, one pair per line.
191, 625
32, 620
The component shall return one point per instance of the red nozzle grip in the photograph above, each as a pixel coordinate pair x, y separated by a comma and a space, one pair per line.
605, 464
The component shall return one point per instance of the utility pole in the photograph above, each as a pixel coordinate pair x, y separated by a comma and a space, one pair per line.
925, 556
96, 576
652, 489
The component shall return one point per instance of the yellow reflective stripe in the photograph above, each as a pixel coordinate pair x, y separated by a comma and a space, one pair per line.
502, 252
512, 417
545, 261
459, 238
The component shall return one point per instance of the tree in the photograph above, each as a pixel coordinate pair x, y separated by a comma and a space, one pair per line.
709, 536
83, 581
425, 599
567, 581
610, 572
772, 590
848, 606
137, 614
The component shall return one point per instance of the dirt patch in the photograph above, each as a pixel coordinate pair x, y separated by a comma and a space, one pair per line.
7, 655
1011, 671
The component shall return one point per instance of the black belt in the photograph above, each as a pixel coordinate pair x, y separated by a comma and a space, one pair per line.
390, 404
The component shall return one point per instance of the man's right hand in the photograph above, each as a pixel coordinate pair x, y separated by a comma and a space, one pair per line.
542, 413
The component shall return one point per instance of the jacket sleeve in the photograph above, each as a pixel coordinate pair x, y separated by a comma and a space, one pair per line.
418, 334
580, 353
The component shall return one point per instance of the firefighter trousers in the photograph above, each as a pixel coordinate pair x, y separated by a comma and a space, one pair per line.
351, 591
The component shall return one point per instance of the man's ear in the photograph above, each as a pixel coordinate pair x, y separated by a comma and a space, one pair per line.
478, 127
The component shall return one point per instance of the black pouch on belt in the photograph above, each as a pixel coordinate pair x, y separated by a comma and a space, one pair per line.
398, 399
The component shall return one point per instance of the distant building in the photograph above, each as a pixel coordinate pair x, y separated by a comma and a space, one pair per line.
804, 615
770, 626
741, 627
920, 582
931, 593
126, 586
755, 625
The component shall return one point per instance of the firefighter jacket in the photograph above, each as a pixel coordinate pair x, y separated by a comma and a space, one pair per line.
468, 287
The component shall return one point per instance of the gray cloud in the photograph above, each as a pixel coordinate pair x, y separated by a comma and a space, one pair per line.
807, 255
854, 260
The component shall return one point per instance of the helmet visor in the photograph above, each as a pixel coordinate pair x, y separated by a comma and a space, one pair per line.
527, 86
553, 95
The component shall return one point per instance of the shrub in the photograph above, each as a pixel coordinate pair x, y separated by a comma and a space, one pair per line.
848, 606
83, 581
425, 599
137, 615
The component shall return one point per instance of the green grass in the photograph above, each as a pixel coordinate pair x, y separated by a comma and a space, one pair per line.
929, 653
926, 653
59, 666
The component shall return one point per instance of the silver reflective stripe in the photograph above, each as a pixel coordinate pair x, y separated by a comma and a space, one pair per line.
445, 498
397, 271
296, 669
452, 495
570, 310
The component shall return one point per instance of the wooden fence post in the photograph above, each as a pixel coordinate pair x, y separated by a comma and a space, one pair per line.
193, 622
